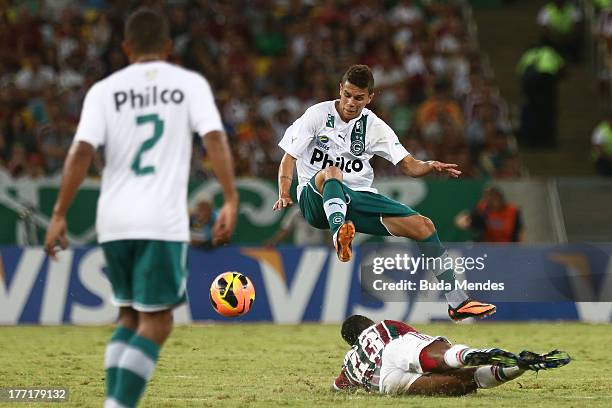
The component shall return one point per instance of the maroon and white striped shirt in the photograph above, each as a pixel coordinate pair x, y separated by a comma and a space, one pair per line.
362, 362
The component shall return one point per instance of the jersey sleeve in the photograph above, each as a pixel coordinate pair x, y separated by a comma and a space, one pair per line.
92, 124
401, 328
203, 113
386, 144
299, 135
342, 382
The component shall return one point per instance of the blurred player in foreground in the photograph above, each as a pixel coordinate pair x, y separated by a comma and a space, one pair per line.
144, 115
332, 143
391, 357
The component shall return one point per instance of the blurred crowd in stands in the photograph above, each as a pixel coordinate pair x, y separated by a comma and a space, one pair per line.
543, 66
601, 138
563, 25
266, 60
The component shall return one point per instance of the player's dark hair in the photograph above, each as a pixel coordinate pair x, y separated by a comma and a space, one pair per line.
360, 76
146, 31
353, 326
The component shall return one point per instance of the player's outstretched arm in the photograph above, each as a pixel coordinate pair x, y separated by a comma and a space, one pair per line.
419, 168
222, 164
285, 176
77, 162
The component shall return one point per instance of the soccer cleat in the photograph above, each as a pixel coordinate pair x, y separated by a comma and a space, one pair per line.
470, 308
343, 239
529, 360
496, 356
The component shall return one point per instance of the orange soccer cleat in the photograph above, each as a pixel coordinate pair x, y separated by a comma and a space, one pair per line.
471, 308
343, 239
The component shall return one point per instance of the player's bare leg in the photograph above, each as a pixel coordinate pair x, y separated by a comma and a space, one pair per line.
422, 230
128, 318
156, 326
440, 357
328, 173
446, 372
460, 382
329, 183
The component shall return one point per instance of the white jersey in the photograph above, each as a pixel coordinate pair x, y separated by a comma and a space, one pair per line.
145, 116
320, 138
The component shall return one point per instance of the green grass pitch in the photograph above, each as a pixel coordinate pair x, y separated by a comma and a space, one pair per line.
264, 365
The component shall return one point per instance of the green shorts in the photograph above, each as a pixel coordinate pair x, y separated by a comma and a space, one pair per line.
147, 275
365, 209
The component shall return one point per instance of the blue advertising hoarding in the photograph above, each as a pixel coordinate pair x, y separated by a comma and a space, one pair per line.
296, 284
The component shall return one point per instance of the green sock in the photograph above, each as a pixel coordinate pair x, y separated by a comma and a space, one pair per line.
334, 203
115, 348
431, 247
135, 368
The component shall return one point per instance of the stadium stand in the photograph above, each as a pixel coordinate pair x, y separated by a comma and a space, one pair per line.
266, 61
581, 108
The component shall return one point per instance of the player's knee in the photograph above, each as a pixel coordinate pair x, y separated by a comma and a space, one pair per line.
333, 172
425, 227
156, 326
128, 318
432, 357
165, 329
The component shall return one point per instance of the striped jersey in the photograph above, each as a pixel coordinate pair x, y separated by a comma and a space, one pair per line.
362, 362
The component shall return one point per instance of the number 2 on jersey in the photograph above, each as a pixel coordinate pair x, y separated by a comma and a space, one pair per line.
158, 130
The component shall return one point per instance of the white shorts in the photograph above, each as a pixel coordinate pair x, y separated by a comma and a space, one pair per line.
400, 365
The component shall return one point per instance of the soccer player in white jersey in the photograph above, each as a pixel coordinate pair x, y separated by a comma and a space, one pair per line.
332, 143
144, 115
391, 357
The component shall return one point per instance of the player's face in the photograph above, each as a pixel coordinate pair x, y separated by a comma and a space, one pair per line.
352, 101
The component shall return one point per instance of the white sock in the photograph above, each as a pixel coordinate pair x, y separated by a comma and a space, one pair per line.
113, 403
493, 375
335, 211
334, 205
114, 350
454, 356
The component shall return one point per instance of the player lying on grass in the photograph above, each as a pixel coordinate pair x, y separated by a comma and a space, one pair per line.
332, 145
391, 357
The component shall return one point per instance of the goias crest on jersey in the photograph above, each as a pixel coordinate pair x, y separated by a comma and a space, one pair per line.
358, 136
